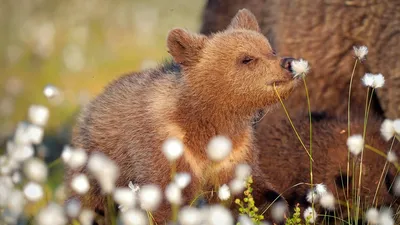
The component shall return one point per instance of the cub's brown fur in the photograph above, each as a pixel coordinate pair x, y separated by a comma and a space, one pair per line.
281, 151
324, 32
220, 83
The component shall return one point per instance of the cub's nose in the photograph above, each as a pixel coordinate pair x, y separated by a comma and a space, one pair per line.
286, 63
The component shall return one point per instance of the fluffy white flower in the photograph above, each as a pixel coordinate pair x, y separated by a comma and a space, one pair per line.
51, 91
189, 216
311, 214
360, 52
18, 153
74, 158
312, 196
372, 216
396, 186
134, 217
396, 126
134, 187
125, 197
80, 184
224, 193
391, 157
38, 114
182, 179
104, 170
27, 134
300, 67
16, 202
52, 214
86, 217
386, 217
379, 80
33, 191
237, 186
245, 220
172, 149
320, 189
278, 211
218, 215
355, 143
35, 170
73, 207
219, 148
66, 153
327, 201
368, 80
150, 197
242, 171
387, 129
173, 193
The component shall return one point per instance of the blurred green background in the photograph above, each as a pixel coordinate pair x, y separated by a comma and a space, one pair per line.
78, 46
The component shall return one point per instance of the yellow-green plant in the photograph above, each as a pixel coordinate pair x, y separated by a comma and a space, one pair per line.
296, 218
247, 206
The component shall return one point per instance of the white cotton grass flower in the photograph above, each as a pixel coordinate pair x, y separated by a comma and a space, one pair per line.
355, 144
134, 187
379, 80
310, 214
173, 149
368, 80
387, 129
224, 192
125, 197
391, 157
278, 211
320, 189
16, 202
27, 134
73, 208
218, 215
237, 186
17, 153
189, 216
372, 216
396, 186
35, 170
50, 91
327, 201
150, 197
182, 179
244, 220
360, 52
219, 148
373, 80
80, 184
33, 191
173, 193
312, 196
134, 217
104, 170
396, 126
300, 67
74, 158
38, 114
52, 214
86, 217
386, 217
242, 171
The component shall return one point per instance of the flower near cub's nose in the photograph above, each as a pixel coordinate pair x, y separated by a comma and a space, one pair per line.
360, 52
300, 68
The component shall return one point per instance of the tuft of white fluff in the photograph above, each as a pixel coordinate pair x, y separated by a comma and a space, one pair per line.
134, 217
372, 216
396, 126
355, 144
310, 214
150, 197
182, 179
35, 170
391, 157
360, 52
242, 171
300, 67
387, 129
218, 215
80, 184
52, 214
328, 201
237, 186
224, 192
173, 193
104, 170
368, 80
38, 114
172, 149
219, 148
278, 211
125, 197
189, 216
33, 191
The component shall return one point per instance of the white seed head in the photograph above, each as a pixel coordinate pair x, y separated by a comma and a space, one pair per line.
224, 192
172, 149
368, 80
38, 114
72, 208
327, 201
237, 186
125, 197
245, 220
320, 189
379, 80
33, 191
355, 144
278, 211
396, 186
77, 157
86, 217
50, 91
219, 148
18, 153
16, 202
150, 197
134, 217
300, 67
52, 214
310, 214
391, 157
134, 187
312, 196
219, 215
360, 52
372, 216
242, 171
386, 217
80, 184
66, 153
35, 170
104, 170
396, 126
189, 216
387, 129
27, 134
173, 193
182, 180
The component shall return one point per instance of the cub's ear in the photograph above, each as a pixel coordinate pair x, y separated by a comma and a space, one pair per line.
244, 19
184, 46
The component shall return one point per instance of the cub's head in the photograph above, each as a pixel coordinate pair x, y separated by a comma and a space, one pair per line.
236, 66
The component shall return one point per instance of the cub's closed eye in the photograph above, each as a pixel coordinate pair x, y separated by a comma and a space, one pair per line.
247, 60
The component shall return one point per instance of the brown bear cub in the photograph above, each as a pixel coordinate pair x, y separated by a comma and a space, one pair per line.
215, 87
282, 151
